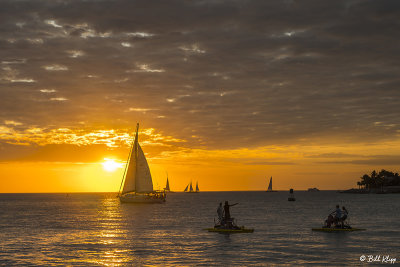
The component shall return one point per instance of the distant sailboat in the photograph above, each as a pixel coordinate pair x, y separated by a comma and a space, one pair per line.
190, 186
137, 182
270, 186
313, 189
167, 186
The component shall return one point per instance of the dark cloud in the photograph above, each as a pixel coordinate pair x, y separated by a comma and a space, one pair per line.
378, 160
233, 73
334, 155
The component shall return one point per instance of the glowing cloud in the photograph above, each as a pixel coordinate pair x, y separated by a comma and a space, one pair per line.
145, 68
53, 23
14, 123
193, 49
126, 44
55, 67
58, 99
139, 34
47, 91
75, 53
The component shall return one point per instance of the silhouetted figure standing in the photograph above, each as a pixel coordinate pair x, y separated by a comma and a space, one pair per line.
226, 210
344, 216
338, 215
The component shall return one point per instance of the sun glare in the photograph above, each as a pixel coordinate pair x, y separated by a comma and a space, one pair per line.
110, 165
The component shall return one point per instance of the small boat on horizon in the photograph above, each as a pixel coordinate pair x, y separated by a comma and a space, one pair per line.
291, 197
137, 184
270, 186
167, 188
191, 188
313, 189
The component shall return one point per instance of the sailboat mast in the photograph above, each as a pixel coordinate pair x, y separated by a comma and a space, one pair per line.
136, 151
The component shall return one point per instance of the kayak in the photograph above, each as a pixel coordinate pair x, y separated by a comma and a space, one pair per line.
227, 230
324, 229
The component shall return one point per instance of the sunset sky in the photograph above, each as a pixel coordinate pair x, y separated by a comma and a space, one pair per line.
227, 93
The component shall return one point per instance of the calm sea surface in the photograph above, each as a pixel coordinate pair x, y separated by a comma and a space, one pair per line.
97, 230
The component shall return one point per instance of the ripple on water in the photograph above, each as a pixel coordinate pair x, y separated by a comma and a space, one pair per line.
96, 229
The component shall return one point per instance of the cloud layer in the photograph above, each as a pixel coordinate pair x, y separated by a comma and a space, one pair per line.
217, 74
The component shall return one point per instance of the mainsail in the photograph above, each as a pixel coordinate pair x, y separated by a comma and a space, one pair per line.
137, 176
197, 187
186, 188
167, 185
191, 187
270, 184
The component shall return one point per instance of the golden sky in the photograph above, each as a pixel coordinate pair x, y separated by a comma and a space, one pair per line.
65, 160
227, 93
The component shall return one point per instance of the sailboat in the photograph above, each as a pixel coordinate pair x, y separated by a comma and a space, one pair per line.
270, 186
190, 186
167, 186
137, 182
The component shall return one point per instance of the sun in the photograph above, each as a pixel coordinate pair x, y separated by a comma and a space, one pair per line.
110, 165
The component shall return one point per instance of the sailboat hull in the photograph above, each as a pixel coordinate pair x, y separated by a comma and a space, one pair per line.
142, 198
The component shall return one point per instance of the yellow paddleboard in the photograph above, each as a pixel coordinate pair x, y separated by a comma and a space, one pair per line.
219, 230
337, 229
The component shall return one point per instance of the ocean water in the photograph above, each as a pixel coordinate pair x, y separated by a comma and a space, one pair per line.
97, 230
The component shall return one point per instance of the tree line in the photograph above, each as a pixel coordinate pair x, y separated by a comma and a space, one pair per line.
379, 180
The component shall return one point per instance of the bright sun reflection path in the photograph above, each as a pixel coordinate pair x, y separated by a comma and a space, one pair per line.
110, 165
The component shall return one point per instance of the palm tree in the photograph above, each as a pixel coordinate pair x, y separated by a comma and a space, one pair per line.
365, 180
373, 181
359, 185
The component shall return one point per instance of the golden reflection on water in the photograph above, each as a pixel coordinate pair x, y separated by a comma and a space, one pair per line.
112, 234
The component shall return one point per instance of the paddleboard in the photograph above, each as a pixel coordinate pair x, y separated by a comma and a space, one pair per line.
220, 230
337, 229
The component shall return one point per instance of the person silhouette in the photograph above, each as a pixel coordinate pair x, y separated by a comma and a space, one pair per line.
344, 216
226, 210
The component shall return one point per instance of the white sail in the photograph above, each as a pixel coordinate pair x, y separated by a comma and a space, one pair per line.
138, 176
130, 176
144, 183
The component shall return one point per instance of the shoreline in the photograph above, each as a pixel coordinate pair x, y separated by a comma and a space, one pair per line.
384, 190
